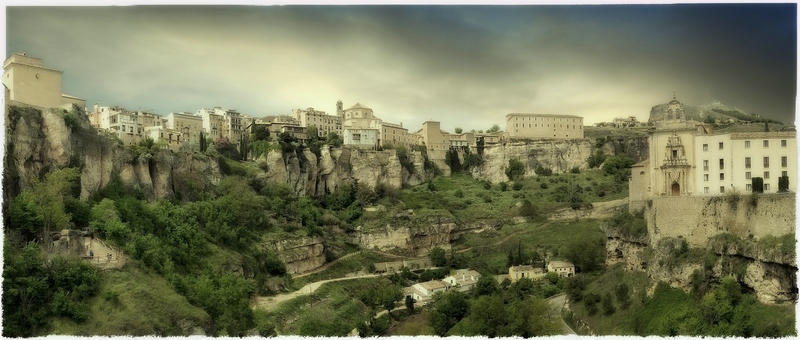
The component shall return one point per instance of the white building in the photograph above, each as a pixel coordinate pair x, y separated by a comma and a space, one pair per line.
425, 290
463, 280
362, 138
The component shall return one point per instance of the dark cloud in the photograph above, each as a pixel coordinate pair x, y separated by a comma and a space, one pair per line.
462, 65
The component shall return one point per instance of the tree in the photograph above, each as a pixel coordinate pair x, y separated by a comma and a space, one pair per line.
608, 304
619, 166
227, 149
515, 169
389, 296
596, 159
410, 303
459, 130
203, 142
486, 285
438, 257
312, 132
48, 196
758, 184
448, 309
493, 129
585, 254
622, 294
783, 183
260, 132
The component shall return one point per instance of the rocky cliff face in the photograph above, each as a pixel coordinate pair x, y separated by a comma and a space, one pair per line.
310, 175
37, 142
770, 275
301, 254
557, 155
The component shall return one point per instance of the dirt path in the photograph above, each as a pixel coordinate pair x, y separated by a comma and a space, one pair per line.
271, 302
327, 265
505, 239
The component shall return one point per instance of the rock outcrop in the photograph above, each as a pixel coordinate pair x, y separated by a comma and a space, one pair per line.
301, 254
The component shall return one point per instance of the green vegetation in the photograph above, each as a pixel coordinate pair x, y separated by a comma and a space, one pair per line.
515, 169
493, 312
625, 224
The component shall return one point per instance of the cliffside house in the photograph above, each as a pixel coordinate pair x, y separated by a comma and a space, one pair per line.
424, 291
562, 268
463, 280
525, 271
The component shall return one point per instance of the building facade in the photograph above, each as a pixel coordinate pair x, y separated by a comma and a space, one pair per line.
543, 126
324, 122
129, 126
29, 82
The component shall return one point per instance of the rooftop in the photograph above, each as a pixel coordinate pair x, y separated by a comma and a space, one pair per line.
434, 284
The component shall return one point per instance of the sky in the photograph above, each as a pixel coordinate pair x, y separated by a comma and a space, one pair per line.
465, 66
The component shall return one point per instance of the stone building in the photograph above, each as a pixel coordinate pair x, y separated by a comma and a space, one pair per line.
30, 83
526, 271
362, 138
686, 158
234, 122
562, 268
324, 122
543, 126
130, 127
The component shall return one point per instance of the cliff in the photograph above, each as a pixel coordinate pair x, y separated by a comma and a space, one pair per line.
38, 141
749, 237
558, 155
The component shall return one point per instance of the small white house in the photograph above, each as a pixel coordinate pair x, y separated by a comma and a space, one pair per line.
562, 268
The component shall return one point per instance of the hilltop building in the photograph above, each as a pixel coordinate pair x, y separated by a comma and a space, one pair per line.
129, 126
233, 122
30, 83
463, 280
688, 159
562, 268
543, 126
324, 122
525, 271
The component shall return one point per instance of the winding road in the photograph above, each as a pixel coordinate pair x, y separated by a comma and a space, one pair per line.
558, 302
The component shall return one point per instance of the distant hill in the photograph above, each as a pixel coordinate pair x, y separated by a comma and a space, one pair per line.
714, 110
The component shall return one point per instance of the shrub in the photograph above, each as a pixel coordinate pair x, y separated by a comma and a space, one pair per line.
503, 186
596, 159
517, 186
542, 171
515, 169
783, 183
575, 170
758, 184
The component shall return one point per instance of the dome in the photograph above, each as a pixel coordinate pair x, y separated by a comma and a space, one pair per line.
359, 106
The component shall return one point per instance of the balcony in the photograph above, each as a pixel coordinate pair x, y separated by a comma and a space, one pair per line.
675, 162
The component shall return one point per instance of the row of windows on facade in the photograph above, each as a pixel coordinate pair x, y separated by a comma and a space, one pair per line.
748, 163
748, 187
764, 143
747, 175
548, 119
548, 125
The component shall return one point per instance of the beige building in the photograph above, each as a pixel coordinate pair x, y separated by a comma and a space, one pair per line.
436, 141
184, 126
234, 123
361, 138
395, 134
129, 126
562, 268
324, 122
543, 126
29, 82
526, 271
425, 290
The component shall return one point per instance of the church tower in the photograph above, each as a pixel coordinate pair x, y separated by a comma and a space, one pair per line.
339, 109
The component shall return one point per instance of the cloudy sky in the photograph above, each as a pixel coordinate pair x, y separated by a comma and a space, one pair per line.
466, 66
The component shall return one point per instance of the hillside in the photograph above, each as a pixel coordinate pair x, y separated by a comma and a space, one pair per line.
710, 113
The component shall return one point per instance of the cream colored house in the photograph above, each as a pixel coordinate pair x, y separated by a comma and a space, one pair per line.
562, 268
425, 290
525, 271
543, 126
30, 83
130, 127
362, 138
234, 123
324, 122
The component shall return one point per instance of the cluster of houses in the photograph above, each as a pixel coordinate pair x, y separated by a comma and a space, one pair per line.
29, 83
465, 279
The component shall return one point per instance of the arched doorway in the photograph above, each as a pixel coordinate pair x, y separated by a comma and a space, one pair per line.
676, 189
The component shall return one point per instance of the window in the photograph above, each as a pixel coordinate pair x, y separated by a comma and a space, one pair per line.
784, 161
705, 147
705, 190
747, 175
766, 143
720, 145
674, 154
747, 162
747, 144
748, 187
705, 165
783, 143
766, 174
766, 162
705, 177
721, 190
784, 173
721, 176
766, 187
721, 164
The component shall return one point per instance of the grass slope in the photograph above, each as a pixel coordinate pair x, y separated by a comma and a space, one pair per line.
137, 302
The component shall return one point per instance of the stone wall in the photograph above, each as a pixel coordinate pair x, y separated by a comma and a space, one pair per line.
699, 218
